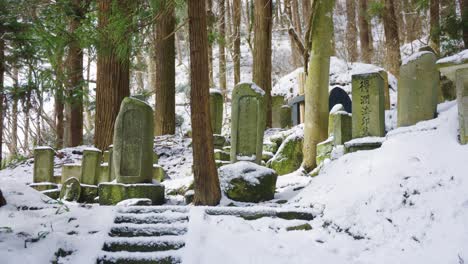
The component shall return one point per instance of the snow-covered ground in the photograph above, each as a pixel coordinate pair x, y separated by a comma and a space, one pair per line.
403, 203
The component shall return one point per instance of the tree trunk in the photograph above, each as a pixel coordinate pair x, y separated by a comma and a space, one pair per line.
435, 26
221, 45
296, 18
14, 113
206, 182
464, 11
113, 74
295, 52
210, 23
237, 5
2, 71
392, 42
366, 49
316, 91
306, 4
59, 127
262, 51
27, 107
351, 31
74, 68
164, 117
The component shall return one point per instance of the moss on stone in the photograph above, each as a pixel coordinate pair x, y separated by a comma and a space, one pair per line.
324, 150
221, 155
113, 193
88, 193
303, 227
289, 155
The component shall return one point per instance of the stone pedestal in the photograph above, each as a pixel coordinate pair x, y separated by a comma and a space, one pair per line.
113, 193
368, 105
71, 170
248, 122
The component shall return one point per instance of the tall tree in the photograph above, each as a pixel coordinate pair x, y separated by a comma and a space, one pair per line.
210, 24
262, 51
316, 91
222, 45
74, 70
435, 25
2, 72
164, 57
464, 12
206, 182
237, 6
113, 73
364, 34
351, 30
392, 40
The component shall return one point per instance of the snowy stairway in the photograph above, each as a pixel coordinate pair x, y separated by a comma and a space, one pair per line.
143, 235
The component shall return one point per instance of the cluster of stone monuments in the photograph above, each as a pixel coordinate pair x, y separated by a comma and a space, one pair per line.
249, 164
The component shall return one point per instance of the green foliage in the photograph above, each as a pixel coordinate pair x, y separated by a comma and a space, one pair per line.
375, 9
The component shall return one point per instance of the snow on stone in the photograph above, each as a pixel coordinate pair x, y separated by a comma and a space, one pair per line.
364, 140
415, 56
248, 171
458, 58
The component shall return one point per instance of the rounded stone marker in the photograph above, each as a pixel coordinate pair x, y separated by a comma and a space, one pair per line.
71, 190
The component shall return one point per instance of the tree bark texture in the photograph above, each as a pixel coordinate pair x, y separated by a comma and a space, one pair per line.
363, 19
222, 45
392, 41
237, 5
435, 25
351, 31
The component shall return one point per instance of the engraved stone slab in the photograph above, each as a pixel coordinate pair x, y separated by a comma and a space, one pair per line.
90, 166
43, 164
216, 110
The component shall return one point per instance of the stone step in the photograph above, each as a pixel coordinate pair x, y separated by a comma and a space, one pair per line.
168, 257
259, 212
147, 230
152, 209
143, 244
151, 218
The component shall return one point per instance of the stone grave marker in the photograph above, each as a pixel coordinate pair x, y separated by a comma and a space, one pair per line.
277, 102
71, 170
43, 164
418, 88
368, 105
248, 123
216, 110
90, 166
71, 190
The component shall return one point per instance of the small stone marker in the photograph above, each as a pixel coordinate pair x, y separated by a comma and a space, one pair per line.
132, 156
216, 110
71, 190
43, 164
368, 105
277, 102
90, 166
418, 89
339, 96
462, 100
340, 125
248, 122
71, 170
104, 173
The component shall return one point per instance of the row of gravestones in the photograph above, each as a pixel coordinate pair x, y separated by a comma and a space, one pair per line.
125, 171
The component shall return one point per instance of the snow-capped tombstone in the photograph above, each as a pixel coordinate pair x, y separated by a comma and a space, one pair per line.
248, 114
277, 102
339, 96
418, 88
341, 126
368, 105
216, 110
462, 101
90, 166
132, 156
43, 164
71, 170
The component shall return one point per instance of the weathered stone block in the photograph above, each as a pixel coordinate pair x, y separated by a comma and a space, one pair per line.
289, 156
158, 173
266, 156
342, 128
462, 101
418, 88
106, 156
132, 156
104, 173
368, 143
88, 193
71, 170
219, 141
368, 105
248, 122
248, 182
71, 190
216, 110
90, 166
113, 193
43, 164
277, 101
324, 150
221, 155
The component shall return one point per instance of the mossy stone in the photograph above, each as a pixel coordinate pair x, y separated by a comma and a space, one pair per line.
90, 166
104, 174
303, 227
266, 156
462, 101
270, 147
219, 141
277, 101
113, 193
216, 110
88, 193
342, 127
289, 156
71, 190
324, 150
221, 155
220, 163
158, 173
71, 170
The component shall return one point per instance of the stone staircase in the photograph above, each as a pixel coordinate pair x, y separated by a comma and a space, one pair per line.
143, 235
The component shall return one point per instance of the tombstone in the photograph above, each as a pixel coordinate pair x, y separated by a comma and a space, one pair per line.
339, 125
386, 89
418, 88
368, 105
462, 101
285, 117
90, 166
104, 173
71, 171
43, 165
248, 114
277, 102
132, 156
71, 190
216, 110
339, 96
